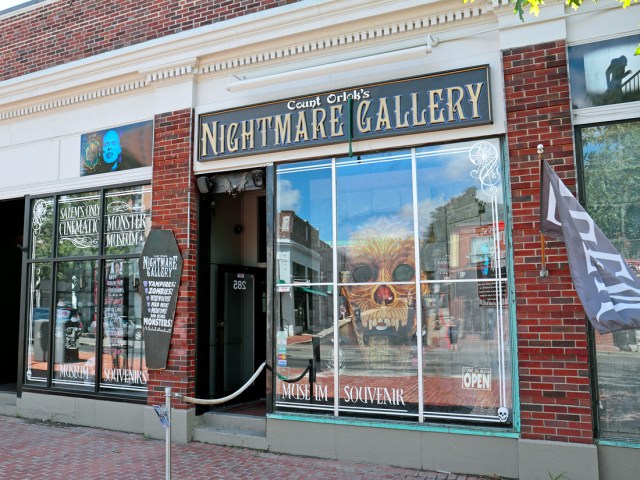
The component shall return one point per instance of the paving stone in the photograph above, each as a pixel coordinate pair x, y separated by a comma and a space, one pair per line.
36, 450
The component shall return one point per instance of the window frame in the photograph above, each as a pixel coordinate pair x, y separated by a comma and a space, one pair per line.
509, 308
598, 431
53, 260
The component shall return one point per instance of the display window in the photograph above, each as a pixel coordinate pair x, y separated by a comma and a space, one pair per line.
90, 297
74, 346
122, 336
611, 172
392, 283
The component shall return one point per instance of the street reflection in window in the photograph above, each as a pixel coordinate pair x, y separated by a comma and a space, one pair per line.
413, 320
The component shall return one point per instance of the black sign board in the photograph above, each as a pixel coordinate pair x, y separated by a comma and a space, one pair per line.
488, 291
431, 102
160, 270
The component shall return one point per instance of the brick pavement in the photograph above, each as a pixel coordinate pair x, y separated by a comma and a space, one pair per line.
37, 450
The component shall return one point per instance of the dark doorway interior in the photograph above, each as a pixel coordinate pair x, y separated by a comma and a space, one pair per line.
232, 290
12, 214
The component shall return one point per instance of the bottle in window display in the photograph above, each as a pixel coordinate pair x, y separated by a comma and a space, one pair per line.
72, 333
68, 331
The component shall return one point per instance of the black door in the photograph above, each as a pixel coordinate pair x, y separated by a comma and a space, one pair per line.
240, 326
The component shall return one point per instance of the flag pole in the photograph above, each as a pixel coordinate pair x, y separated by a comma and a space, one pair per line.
543, 269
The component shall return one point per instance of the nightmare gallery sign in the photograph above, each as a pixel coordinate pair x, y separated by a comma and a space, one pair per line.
432, 102
160, 266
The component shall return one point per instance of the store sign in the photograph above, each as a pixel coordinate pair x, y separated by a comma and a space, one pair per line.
428, 103
474, 378
160, 269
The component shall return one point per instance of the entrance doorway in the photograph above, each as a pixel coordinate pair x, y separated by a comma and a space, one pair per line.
240, 330
11, 241
233, 291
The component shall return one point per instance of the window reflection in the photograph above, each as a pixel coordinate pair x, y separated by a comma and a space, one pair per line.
611, 165
385, 342
305, 228
78, 224
463, 337
42, 228
123, 363
74, 344
39, 317
305, 345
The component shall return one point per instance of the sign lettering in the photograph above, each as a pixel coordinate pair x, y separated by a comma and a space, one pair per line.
431, 102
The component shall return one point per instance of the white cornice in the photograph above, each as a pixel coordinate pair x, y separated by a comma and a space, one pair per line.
257, 40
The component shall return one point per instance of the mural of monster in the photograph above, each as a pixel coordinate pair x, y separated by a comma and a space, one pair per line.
379, 256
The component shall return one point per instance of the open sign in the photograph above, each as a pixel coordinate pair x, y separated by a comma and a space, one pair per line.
476, 378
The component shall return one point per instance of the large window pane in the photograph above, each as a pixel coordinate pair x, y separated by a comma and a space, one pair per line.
127, 219
377, 268
312, 346
465, 329
78, 224
375, 217
74, 343
123, 363
429, 297
304, 229
379, 373
463, 338
460, 210
41, 228
39, 319
611, 178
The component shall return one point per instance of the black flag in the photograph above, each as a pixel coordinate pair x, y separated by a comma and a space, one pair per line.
608, 289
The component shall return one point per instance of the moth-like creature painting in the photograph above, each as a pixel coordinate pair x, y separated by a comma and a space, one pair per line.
381, 269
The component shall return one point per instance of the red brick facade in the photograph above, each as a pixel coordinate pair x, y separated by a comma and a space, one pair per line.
68, 30
553, 360
555, 397
174, 208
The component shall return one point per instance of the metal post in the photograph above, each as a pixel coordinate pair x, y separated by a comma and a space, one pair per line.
167, 392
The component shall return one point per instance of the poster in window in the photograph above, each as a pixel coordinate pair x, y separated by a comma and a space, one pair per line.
116, 149
605, 73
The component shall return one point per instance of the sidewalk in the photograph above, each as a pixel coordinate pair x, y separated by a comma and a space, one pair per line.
36, 450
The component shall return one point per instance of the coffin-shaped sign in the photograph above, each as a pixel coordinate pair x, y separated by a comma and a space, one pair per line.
160, 269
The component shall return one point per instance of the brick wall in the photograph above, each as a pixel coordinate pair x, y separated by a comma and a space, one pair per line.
174, 208
552, 336
67, 30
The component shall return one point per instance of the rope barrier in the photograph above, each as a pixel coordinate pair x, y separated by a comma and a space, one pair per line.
291, 380
217, 401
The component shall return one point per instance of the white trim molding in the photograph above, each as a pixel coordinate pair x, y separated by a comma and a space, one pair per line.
187, 55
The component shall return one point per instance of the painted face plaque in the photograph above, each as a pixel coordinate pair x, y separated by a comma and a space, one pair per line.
160, 269
116, 149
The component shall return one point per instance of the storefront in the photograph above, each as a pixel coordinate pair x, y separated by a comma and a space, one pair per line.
353, 188
349, 232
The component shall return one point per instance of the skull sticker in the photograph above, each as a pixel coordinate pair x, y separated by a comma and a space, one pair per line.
503, 414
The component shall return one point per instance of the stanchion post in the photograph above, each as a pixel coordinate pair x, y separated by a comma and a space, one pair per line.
167, 392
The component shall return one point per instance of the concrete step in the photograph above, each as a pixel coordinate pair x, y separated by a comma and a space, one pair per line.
8, 404
231, 430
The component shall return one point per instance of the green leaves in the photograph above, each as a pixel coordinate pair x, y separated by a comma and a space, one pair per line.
534, 8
